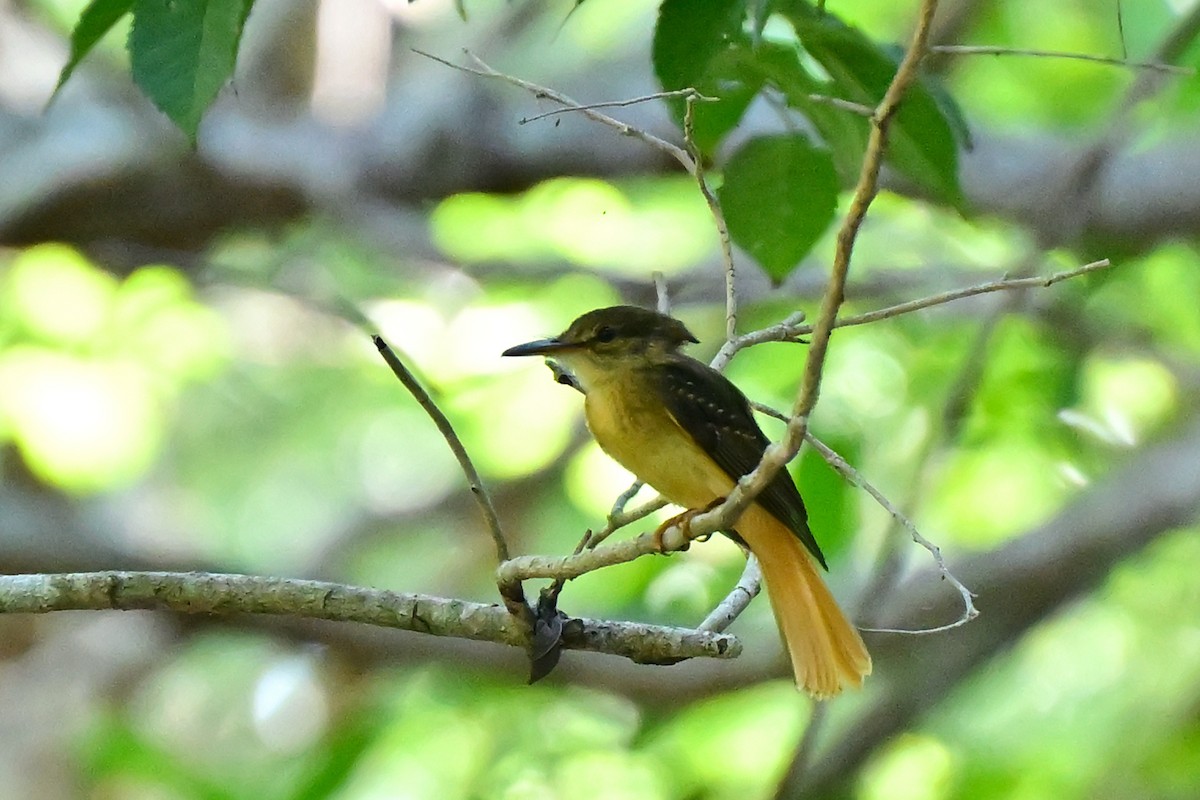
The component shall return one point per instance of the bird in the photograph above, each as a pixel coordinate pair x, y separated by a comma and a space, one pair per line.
686, 430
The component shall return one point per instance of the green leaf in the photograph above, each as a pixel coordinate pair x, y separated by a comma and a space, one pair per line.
695, 45
922, 145
183, 51
95, 21
843, 133
779, 196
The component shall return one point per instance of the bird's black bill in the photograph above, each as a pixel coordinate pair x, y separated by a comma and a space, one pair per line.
540, 347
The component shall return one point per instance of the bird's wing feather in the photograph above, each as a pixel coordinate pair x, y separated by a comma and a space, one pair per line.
718, 417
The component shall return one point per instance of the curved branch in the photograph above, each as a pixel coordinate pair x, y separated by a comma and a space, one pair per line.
513, 594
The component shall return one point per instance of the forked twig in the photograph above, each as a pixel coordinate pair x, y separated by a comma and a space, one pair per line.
485, 71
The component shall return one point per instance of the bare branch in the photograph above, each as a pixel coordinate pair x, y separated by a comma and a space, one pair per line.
791, 328
514, 596
988, 50
620, 518
1005, 284
729, 609
523, 568
845, 105
852, 475
780, 453
786, 331
690, 94
227, 595
483, 70
718, 215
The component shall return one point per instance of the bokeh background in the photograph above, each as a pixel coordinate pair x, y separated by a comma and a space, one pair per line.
182, 386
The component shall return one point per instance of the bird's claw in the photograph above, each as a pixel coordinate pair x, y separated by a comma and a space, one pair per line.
684, 523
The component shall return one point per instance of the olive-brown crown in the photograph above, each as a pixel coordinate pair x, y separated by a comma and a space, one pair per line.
626, 327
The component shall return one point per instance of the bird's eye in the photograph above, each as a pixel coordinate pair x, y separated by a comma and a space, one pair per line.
605, 335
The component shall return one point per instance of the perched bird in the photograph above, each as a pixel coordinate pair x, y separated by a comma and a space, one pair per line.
683, 428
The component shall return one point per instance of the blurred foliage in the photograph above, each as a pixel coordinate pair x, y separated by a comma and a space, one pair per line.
504, 741
236, 416
633, 227
89, 365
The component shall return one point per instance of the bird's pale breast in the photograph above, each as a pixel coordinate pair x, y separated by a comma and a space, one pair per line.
635, 428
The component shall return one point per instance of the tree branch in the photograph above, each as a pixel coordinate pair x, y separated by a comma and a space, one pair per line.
783, 451
227, 595
485, 71
1002, 285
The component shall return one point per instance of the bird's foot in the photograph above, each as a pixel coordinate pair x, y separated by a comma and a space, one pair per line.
684, 523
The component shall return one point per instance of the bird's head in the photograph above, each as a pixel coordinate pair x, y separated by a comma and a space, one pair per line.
608, 339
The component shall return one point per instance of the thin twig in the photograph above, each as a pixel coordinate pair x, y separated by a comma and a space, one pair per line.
855, 478
514, 596
483, 70
686, 93
618, 506
620, 518
987, 50
845, 105
763, 408
1004, 284
791, 328
780, 453
852, 475
729, 609
786, 331
522, 568
228, 595
718, 215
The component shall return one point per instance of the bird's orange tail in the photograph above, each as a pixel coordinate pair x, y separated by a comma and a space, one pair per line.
827, 652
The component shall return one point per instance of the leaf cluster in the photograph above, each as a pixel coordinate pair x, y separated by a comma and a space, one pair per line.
824, 77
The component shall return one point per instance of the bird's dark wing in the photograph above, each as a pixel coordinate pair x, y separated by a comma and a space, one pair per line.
719, 418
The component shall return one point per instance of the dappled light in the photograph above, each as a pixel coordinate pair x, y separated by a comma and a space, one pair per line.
627, 229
